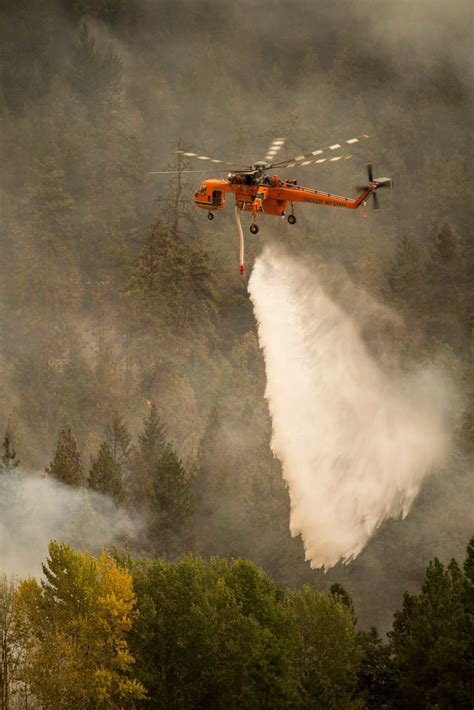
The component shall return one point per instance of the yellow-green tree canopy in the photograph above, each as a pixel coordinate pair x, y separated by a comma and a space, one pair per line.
76, 620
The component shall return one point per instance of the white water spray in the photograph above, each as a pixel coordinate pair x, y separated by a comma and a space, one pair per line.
355, 443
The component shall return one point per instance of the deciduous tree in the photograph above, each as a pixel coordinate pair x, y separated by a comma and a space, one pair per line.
77, 620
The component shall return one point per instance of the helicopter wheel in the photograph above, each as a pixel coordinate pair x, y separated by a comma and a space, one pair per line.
254, 228
210, 215
291, 219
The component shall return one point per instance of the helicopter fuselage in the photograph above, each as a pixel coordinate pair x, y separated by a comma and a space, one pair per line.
259, 193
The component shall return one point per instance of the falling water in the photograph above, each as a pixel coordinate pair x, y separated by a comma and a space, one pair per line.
355, 442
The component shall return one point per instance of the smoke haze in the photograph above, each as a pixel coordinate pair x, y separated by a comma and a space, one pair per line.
35, 509
355, 442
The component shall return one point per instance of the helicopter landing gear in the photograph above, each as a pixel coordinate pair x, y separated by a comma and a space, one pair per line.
254, 228
291, 219
210, 215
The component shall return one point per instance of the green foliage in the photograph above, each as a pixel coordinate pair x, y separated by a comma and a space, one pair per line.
75, 623
9, 461
257, 647
48, 278
213, 635
376, 678
105, 475
217, 633
432, 640
66, 465
95, 75
170, 503
12, 652
406, 278
173, 284
327, 651
100, 313
119, 439
152, 441
339, 593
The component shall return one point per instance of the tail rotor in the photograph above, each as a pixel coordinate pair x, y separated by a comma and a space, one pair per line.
374, 184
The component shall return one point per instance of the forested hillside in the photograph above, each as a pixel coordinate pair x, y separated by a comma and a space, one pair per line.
129, 358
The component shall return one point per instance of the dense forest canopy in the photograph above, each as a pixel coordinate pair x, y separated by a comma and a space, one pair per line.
129, 353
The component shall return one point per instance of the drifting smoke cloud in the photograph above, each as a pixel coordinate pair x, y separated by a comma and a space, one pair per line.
35, 509
354, 442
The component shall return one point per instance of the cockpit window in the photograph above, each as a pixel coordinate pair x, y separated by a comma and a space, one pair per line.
202, 188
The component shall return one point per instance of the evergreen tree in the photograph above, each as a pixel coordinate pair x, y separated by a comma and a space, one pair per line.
432, 641
48, 276
96, 75
339, 593
120, 443
105, 474
66, 465
448, 305
151, 445
406, 277
171, 501
152, 441
376, 678
9, 460
119, 439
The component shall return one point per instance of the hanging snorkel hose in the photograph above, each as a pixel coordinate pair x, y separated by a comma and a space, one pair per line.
241, 237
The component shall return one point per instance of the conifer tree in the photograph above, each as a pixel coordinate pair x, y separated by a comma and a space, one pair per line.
9, 460
144, 458
171, 501
66, 465
406, 278
119, 439
96, 74
105, 474
152, 441
440, 619
48, 276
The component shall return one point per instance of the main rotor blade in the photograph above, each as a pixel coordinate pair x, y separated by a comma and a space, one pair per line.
176, 172
275, 147
370, 171
187, 154
316, 162
376, 202
319, 151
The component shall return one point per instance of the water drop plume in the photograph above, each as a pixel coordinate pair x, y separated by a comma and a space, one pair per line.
355, 440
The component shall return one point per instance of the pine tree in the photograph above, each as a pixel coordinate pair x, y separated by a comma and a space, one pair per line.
440, 619
449, 321
47, 277
66, 465
152, 442
9, 460
95, 75
406, 278
338, 592
171, 501
119, 439
151, 445
105, 474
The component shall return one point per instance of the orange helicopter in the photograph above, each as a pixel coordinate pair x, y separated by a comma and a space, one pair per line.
257, 192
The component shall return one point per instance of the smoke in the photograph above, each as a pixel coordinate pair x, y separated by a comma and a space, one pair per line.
36, 509
355, 441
